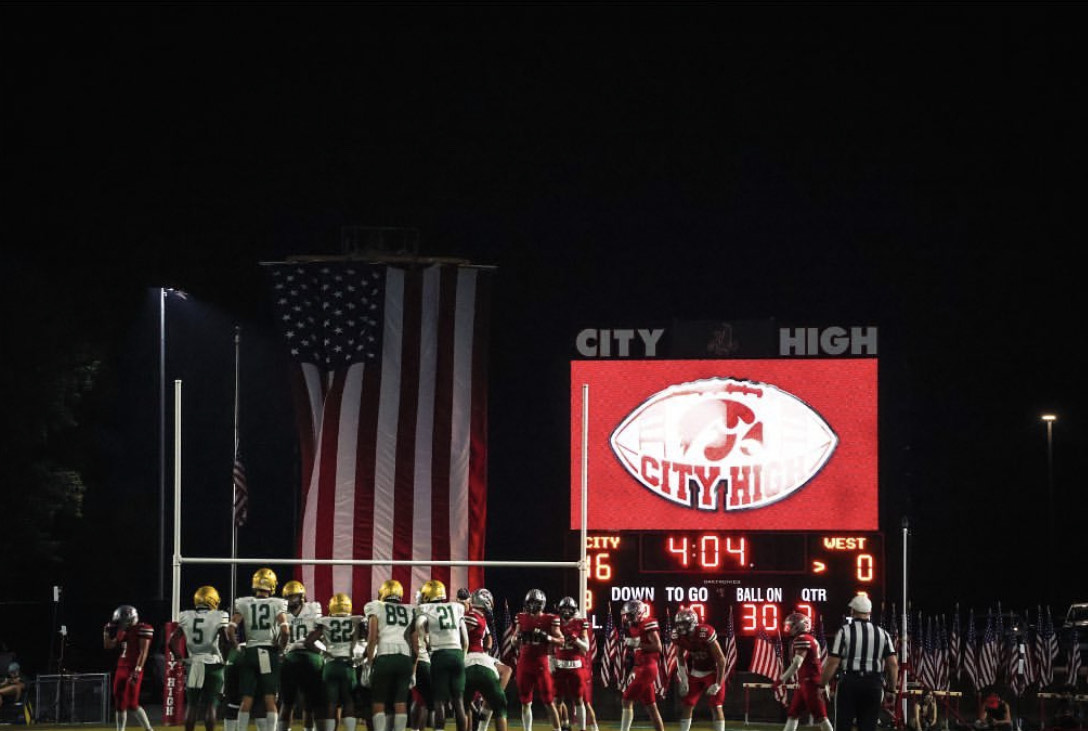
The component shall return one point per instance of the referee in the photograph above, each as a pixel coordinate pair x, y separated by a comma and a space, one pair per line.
866, 656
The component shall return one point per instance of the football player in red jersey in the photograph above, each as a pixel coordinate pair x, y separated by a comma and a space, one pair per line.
807, 667
700, 667
644, 636
134, 638
538, 631
571, 661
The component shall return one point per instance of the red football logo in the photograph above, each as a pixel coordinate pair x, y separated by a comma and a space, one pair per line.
752, 442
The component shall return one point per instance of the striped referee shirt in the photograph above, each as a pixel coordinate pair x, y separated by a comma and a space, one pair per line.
862, 647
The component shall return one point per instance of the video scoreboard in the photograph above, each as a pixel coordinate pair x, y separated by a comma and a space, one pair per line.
742, 485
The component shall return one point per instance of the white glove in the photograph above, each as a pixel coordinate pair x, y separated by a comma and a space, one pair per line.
412, 681
631, 641
713, 689
683, 686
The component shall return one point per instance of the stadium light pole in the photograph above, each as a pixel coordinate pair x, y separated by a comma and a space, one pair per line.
1049, 420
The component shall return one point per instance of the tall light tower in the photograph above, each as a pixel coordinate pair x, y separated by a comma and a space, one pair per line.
1049, 420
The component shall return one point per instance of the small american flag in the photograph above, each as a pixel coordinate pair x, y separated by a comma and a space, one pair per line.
667, 668
610, 641
241, 492
509, 637
970, 666
988, 653
729, 647
927, 668
1075, 661
767, 661
1046, 649
955, 647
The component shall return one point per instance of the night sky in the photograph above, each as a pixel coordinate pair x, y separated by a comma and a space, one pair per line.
918, 170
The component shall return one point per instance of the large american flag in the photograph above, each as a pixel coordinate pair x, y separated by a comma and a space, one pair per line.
390, 392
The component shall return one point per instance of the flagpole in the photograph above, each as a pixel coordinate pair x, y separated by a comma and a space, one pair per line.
233, 482
905, 667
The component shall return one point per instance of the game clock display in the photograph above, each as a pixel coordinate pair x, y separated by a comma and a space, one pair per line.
762, 576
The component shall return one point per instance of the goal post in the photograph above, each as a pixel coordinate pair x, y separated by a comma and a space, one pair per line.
179, 559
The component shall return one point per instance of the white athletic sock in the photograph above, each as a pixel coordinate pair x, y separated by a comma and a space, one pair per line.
122, 719
330, 724
791, 724
685, 724
262, 724
718, 725
349, 723
141, 716
230, 724
400, 721
580, 716
272, 720
485, 721
825, 725
243, 721
627, 716
527, 717
378, 719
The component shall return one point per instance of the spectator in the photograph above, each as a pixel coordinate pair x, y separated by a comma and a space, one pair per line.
994, 714
12, 685
924, 712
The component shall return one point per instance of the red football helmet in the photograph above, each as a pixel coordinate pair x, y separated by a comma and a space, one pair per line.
634, 611
797, 624
686, 622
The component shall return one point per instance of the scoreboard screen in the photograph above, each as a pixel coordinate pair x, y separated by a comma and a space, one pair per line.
760, 576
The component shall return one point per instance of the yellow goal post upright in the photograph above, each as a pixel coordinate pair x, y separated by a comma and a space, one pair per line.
179, 559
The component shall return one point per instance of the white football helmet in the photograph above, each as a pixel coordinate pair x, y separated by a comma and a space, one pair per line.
797, 624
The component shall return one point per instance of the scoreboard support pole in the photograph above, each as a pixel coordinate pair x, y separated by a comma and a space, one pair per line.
904, 669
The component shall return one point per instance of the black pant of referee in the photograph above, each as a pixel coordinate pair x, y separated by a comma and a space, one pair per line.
858, 696
865, 655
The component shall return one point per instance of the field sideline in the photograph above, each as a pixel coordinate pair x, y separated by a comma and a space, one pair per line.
698, 725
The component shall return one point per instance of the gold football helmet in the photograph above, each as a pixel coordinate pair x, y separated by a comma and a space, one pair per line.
265, 580
340, 604
391, 591
293, 587
206, 596
433, 591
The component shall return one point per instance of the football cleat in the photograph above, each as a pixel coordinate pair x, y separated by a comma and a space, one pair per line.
634, 611
686, 621
206, 596
125, 616
265, 580
391, 591
433, 591
482, 598
797, 624
340, 604
534, 601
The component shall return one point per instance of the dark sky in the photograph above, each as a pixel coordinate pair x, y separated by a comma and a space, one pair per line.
916, 169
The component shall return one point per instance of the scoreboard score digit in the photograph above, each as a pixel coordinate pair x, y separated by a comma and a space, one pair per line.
762, 576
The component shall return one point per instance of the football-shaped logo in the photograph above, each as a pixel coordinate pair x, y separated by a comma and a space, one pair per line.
750, 443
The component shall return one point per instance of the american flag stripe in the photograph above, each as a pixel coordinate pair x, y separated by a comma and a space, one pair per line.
397, 467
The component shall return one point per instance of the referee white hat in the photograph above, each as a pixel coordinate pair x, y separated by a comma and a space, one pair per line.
861, 604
